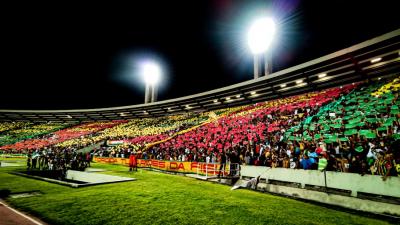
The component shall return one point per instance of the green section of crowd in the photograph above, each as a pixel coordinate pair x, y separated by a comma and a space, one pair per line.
368, 112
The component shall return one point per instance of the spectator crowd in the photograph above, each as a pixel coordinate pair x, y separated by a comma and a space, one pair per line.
352, 128
57, 161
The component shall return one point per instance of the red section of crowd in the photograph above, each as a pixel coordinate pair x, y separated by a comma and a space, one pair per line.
249, 125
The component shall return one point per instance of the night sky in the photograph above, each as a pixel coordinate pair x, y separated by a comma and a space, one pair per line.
83, 56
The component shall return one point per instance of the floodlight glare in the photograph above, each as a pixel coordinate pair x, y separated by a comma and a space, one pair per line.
376, 60
260, 35
151, 73
322, 75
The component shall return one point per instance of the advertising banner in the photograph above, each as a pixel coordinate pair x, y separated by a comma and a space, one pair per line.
173, 166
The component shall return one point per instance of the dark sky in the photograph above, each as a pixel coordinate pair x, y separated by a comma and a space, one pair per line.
80, 56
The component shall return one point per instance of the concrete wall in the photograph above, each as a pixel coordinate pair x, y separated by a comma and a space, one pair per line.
355, 183
94, 177
332, 199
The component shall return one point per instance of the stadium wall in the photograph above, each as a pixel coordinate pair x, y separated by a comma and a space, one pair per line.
366, 193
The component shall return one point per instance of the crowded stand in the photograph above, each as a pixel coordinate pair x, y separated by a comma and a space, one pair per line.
242, 133
13, 132
59, 136
352, 128
138, 132
357, 133
5, 126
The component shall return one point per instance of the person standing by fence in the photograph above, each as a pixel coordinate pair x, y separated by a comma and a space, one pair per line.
222, 164
132, 162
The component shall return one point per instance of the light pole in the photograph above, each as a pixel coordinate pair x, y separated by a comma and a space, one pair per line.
259, 38
147, 94
151, 72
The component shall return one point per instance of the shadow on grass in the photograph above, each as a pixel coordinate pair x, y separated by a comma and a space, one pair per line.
4, 193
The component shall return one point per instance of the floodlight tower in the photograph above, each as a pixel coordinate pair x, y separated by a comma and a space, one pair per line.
259, 38
151, 72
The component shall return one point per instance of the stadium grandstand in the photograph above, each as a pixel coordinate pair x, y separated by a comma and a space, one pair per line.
319, 125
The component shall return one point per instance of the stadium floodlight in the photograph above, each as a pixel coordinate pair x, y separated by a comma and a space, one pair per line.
215, 101
283, 85
253, 93
228, 98
299, 81
259, 38
151, 73
237, 96
322, 75
260, 35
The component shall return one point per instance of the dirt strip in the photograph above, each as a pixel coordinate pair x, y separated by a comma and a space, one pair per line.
10, 216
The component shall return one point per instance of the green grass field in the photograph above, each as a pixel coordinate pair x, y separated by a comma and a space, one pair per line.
12, 159
157, 198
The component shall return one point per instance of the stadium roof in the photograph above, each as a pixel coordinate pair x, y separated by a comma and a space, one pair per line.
375, 58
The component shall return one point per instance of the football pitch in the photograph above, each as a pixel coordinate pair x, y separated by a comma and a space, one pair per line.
158, 198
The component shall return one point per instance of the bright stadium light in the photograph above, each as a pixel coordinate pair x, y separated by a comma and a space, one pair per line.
322, 75
151, 73
260, 35
283, 85
259, 39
